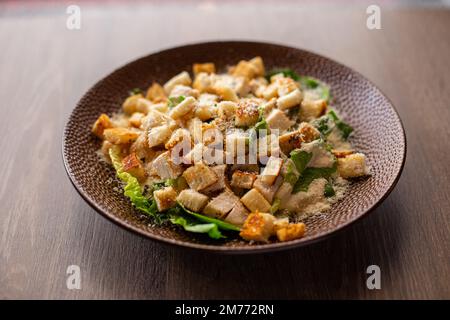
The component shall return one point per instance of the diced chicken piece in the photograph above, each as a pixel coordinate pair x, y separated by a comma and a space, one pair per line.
192, 200
207, 67
141, 148
293, 140
242, 179
352, 166
158, 135
258, 227
312, 109
143, 105
183, 108
155, 119
164, 167
180, 135
219, 206
200, 176
165, 198
267, 191
268, 106
290, 100
238, 214
239, 84
308, 132
257, 86
284, 192
203, 82
255, 201
247, 114
195, 155
285, 85
156, 93
136, 118
195, 129
279, 120
221, 182
291, 232
160, 106
204, 112
226, 109
185, 91
103, 122
271, 171
134, 166
182, 78
130, 104
120, 135
226, 93
270, 92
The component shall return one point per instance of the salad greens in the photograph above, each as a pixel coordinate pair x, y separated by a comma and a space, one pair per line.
300, 159
326, 123
310, 174
173, 101
220, 223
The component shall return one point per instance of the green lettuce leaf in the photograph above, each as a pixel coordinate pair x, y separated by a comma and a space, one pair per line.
191, 225
221, 224
300, 159
341, 125
173, 101
329, 190
310, 174
286, 72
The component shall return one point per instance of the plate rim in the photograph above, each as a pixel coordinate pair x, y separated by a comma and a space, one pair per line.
259, 248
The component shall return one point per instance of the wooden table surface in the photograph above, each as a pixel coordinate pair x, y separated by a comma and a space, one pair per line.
45, 226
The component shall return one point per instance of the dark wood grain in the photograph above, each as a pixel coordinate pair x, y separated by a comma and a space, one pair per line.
45, 226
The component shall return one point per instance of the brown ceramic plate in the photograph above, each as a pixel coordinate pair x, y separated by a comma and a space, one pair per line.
378, 133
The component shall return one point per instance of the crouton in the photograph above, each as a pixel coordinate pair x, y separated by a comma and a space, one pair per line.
279, 120
247, 114
221, 182
130, 104
120, 135
180, 135
203, 82
291, 232
205, 112
181, 78
341, 153
257, 86
183, 91
271, 91
293, 140
134, 166
156, 93
136, 118
258, 227
285, 86
255, 201
271, 171
219, 206
258, 66
245, 69
268, 191
290, 100
156, 118
165, 198
308, 132
353, 165
158, 135
207, 67
183, 108
103, 122
226, 93
242, 179
200, 176
312, 109
192, 200
165, 168
237, 215
226, 109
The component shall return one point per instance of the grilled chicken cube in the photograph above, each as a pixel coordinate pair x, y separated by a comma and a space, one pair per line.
183, 108
183, 91
237, 215
271, 171
156, 93
165, 168
258, 227
308, 132
291, 232
180, 135
182, 78
219, 206
120, 135
221, 182
268, 191
242, 179
134, 166
312, 109
255, 201
290, 100
278, 120
285, 85
352, 166
158, 135
207, 67
200, 176
103, 122
192, 200
156, 118
293, 140
247, 114
165, 198
204, 82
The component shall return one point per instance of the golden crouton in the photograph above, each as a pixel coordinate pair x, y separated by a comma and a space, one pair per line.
258, 64
290, 100
130, 104
207, 67
136, 118
341, 153
247, 114
120, 135
103, 122
271, 171
293, 140
219, 206
183, 108
242, 179
312, 109
156, 93
165, 198
158, 135
226, 93
353, 165
255, 201
277, 119
258, 227
200, 176
237, 215
181, 78
245, 69
192, 200
134, 166
203, 82
291, 231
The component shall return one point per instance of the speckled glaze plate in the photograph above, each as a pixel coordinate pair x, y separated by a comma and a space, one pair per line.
378, 133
